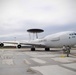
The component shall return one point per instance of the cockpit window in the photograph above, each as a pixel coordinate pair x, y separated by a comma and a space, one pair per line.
72, 34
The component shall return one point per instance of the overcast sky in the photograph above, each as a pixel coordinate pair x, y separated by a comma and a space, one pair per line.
16, 16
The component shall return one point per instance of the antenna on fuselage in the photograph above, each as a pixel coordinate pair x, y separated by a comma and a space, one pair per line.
35, 32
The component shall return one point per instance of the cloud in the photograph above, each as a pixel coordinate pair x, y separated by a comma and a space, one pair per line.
47, 11
16, 16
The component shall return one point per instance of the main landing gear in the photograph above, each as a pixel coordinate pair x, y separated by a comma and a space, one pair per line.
32, 49
47, 49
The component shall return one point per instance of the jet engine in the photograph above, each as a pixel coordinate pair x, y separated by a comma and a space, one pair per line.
19, 46
1, 44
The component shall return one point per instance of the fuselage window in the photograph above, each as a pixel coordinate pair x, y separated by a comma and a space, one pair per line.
69, 37
73, 36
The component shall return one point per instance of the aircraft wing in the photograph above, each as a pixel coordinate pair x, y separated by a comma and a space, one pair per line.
34, 44
10, 42
24, 43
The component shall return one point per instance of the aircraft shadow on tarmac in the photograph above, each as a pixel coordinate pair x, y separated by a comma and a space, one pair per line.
38, 50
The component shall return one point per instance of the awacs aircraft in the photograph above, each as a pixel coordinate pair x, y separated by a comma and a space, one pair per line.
67, 38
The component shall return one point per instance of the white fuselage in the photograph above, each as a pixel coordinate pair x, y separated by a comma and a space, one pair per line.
58, 39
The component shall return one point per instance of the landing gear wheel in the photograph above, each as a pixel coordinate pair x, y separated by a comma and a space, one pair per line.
47, 49
19, 46
32, 49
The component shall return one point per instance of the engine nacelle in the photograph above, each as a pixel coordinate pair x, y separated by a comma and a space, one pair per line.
19, 46
1, 45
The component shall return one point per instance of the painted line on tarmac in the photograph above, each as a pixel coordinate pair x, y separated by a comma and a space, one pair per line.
8, 61
26, 61
53, 70
38, 60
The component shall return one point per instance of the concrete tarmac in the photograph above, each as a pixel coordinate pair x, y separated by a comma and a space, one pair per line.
39, 62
